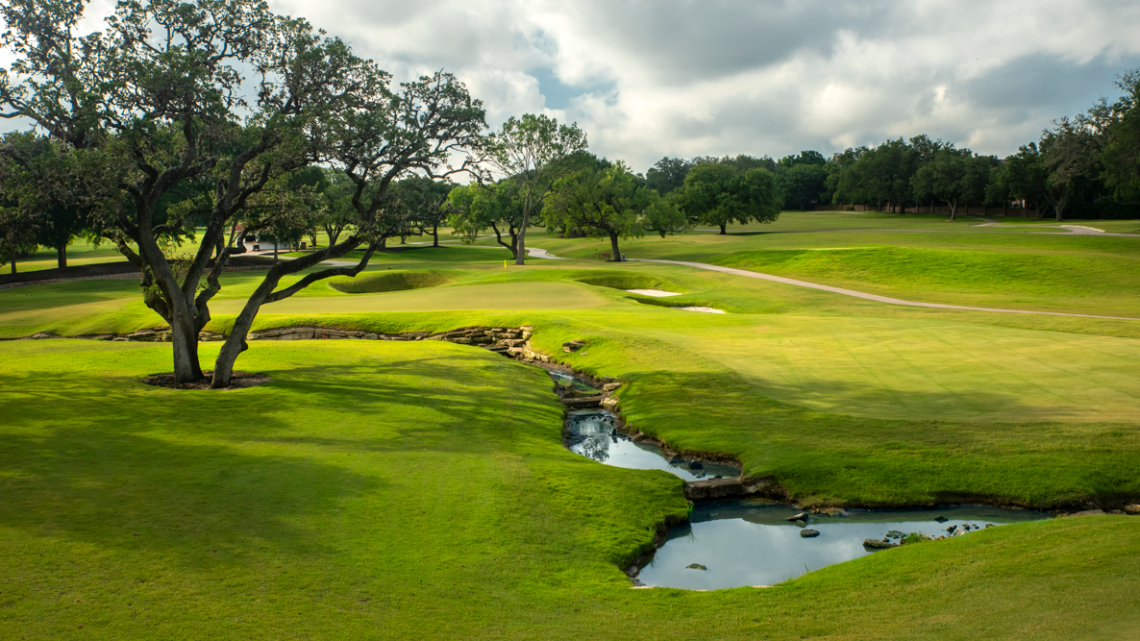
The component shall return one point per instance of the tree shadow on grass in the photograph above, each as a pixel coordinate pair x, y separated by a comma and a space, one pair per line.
130, 491
193, 472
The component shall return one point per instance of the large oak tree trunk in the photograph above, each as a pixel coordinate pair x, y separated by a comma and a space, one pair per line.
614, 246
520, 241
184, 336
61, 255
724, 230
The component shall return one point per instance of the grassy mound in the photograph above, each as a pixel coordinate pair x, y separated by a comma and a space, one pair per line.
628, 280
389, 281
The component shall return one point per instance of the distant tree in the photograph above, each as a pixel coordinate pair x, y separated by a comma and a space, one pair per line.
529, 150
43, 179
1022, 176
423, 200
717, 193
953, 176
926, 149
17, 231
474, 208
886, 172
803, 178
664, 216
607, 202
1120, 155
17, 238
337, 212
668, 174
843, 184
1070, 150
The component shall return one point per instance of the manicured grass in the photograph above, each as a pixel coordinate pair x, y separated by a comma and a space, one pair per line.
965, 266
420, 490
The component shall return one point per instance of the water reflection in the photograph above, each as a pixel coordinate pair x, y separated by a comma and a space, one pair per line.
593, 433
751, 543
565, 380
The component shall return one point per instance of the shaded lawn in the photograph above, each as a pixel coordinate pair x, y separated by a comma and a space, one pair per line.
388, 490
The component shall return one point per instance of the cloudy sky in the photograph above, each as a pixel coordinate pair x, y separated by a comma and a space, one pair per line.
647, 79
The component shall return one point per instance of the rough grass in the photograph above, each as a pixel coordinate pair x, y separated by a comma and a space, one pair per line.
420, 490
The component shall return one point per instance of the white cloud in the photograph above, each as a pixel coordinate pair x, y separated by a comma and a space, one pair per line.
678, 77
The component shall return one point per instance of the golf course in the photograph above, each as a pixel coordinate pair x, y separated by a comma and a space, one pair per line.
376, 489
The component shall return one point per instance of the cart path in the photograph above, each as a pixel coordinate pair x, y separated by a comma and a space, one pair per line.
863, 295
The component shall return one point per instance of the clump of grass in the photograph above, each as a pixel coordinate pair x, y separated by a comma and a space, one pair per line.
389, 281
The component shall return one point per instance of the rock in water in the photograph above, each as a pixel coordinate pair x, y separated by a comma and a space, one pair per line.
895, 534
942, 519
802, 516
809, 533
876, 544
696, 465
695, 566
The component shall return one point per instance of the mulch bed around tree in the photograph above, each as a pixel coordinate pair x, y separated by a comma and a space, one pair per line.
238, 380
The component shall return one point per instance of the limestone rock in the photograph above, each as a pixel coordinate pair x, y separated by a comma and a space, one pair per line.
609, 387
695, 566
809, 533
1132, 509
878, 544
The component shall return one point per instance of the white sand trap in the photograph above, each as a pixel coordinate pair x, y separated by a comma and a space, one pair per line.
656, 293
707, 310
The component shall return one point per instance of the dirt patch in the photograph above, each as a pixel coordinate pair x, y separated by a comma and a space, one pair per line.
239, 380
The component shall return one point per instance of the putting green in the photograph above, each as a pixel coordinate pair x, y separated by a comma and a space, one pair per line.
923, 370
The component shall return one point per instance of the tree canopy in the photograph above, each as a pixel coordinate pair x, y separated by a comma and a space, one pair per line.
530, 149
161, 99
719, 193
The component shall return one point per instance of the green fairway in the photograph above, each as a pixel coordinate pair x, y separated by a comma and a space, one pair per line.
916, 258
420, 490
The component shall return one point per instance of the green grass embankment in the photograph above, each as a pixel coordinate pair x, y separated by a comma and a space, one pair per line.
420, 490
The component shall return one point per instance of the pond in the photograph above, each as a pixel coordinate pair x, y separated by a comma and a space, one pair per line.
593, 433
739, 543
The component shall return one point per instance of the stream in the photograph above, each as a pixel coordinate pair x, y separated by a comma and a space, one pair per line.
751, 542
593, 433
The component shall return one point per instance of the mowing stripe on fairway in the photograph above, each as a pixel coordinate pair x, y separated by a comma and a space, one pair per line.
864, 295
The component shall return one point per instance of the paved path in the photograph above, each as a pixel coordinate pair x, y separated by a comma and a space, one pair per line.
863, 295
988, 227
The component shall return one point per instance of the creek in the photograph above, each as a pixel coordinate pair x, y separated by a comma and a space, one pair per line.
749, 542
594, 434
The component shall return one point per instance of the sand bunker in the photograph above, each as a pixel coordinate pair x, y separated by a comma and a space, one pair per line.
656, 293
707, 310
